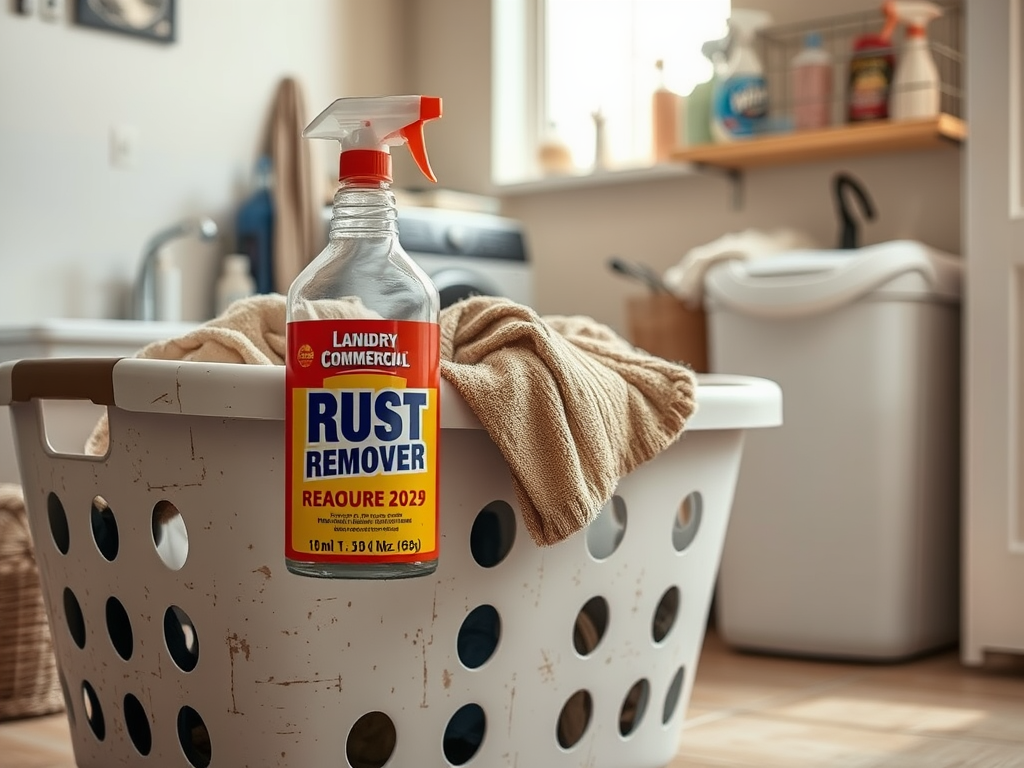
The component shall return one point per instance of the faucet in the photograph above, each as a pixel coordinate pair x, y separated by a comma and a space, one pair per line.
203, 228
849, 235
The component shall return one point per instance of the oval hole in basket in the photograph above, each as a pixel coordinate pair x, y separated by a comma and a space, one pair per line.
371, 741
194, 738
170, 536
605, 532
464, 734
574, 719
93, 710
119, 627
675, 688
493, 533
687, 521
58, 523
665, 614
104, 528
478, 636
591, 624
73, 616
181, 638
137, 723
633, 707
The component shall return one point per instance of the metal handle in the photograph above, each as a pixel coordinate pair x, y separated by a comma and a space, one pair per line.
63, 378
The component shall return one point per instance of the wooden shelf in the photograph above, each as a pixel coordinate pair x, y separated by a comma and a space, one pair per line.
828, 143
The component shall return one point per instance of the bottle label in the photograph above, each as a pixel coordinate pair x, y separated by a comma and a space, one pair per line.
870, 77
361, 424
741, 103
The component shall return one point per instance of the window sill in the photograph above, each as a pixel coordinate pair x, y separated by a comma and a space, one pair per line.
673, 170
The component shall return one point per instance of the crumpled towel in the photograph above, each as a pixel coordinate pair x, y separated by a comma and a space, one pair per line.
571, 405
686, 279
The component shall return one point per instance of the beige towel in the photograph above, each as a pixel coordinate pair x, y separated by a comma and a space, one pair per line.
297, 218
571, 406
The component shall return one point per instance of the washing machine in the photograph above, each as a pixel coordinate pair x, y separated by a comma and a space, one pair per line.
466, 253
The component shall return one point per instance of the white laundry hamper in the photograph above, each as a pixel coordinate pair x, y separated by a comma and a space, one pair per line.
182, 640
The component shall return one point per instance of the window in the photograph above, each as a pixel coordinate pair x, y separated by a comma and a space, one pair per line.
557, 62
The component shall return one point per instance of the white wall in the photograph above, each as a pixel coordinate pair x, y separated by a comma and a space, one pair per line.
572, 234
72, 228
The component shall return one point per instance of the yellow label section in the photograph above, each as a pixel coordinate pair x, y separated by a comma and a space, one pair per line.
364, 469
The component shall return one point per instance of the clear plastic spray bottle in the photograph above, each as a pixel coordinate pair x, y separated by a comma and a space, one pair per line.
363, 367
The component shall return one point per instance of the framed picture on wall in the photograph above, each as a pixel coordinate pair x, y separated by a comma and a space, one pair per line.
151, 19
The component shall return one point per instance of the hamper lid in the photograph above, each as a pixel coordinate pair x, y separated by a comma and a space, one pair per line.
807, 282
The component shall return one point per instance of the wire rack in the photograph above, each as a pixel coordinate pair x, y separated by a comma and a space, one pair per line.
779, 44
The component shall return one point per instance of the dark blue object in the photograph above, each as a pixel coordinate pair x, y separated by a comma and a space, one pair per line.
255, 229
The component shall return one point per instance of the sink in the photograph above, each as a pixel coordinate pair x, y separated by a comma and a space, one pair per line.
70, 423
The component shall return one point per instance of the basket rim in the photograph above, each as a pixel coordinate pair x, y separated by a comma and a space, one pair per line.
238, 391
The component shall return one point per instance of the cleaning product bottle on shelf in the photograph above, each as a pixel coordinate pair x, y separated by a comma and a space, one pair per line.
254, 227
600, 141
362, 377
739, 103
553, 154
664, 117
698, 102
811, 85
915, 83
235, 282
871, 70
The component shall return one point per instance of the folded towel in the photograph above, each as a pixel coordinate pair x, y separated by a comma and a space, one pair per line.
572, 406
686, 279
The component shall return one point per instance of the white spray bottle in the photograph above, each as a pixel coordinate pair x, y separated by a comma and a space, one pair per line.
362, 375
915, 83
739, 103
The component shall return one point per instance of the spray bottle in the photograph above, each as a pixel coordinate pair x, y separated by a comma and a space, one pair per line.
363, 367
915, 84
698, 103
739, 104
871, 70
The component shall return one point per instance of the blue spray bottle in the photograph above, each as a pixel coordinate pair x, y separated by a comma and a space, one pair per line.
739, 103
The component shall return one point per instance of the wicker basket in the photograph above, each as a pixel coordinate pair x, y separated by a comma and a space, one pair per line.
28, 671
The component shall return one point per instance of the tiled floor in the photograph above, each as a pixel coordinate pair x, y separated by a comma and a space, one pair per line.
761, 712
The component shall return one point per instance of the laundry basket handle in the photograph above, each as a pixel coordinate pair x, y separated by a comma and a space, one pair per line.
64, 378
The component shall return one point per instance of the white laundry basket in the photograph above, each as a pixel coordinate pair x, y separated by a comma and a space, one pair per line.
182, 640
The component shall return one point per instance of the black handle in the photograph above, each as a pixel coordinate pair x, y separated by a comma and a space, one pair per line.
644, 274
848, 233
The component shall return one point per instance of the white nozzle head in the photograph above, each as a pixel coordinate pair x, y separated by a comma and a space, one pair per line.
745, 22
368, 127
916, 14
